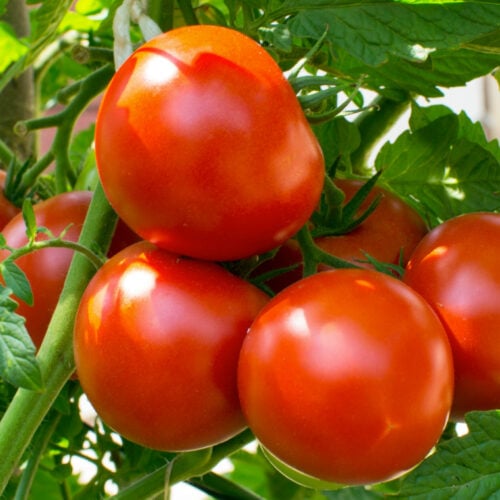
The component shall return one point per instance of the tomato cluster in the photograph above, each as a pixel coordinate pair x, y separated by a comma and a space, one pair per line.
345, 376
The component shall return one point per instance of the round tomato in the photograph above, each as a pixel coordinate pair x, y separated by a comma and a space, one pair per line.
46, 269
7, 209
347, 376
456, 269
203, 149
389, 234
157, 339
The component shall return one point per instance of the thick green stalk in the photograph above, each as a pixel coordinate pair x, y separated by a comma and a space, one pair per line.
28, 408
374, 124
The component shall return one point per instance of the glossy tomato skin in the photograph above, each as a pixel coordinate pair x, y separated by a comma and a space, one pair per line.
157, 339
389, 234
347, 376
46, 269
455, 268
203, 149
7, 209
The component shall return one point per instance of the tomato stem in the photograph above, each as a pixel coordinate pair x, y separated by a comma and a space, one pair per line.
373, 124
42, 439
187, 11
183, 467
88, 88
28, 408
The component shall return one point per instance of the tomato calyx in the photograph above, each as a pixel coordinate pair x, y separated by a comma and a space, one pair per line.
334, 218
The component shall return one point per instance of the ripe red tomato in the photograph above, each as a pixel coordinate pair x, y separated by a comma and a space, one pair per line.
46, 269
203, 149
157, 339
347, 376
7, 209
391, 231
456, 269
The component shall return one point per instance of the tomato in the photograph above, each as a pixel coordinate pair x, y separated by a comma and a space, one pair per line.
157, 339
46, 269
203, 149
7, 209
455, 268
388, 234
347, 376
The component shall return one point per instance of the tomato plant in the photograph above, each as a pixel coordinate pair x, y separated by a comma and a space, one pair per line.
388, 234
226, 123
157, 339
46, 269
217, 138
347, 376
455, 269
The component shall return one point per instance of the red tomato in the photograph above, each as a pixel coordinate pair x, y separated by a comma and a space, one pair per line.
157, 339
456, 269
347, 376
203, 149
46, 269
391, 229
7, 209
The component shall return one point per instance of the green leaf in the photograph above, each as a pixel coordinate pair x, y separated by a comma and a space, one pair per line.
373, 31
18, 364
444, 168
11, 48
463, 467
45, 21
17, 281
338, 138
29, 219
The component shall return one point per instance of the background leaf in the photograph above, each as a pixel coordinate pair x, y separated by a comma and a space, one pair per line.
445, 167
463, 467
16, 280
373, 30
18, 364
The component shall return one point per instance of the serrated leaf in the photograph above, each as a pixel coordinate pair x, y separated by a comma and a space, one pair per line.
444, 169
462, 468
373, 31
18, 364
29, 219
16, 280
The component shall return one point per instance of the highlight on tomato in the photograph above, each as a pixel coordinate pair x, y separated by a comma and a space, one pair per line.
456, 269
156, 341
347, 376
46, 269
203, 148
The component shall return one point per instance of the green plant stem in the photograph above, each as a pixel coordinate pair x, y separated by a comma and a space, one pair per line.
6, 154
89, 88
373, 124
28, 408
188, 12
59, 243
40, 443
162, 12
213, 484
184, 467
